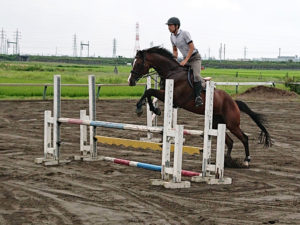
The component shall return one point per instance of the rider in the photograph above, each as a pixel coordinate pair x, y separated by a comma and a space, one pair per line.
182, 40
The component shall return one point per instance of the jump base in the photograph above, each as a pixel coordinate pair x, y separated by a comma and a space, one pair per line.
211, 180
51, 162
169, 184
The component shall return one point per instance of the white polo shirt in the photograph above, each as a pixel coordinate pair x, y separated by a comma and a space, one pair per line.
182, 40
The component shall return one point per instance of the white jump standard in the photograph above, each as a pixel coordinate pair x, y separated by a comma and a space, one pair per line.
171, 172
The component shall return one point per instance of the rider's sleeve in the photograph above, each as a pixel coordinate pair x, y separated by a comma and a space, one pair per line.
173, 44
187, 37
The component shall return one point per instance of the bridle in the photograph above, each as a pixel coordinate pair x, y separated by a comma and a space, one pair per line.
146, 75
142, 68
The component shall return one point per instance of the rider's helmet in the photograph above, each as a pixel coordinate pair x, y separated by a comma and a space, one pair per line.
173, 21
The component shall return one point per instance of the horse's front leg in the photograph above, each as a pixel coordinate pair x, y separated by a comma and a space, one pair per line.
159, 94
139, 105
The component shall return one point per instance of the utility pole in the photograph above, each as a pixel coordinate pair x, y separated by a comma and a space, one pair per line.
2, 47
245, 52
8, 45
114, 48
74, 46
17, 46
279, 52
88, 48
220, 52
137, 38
224, 51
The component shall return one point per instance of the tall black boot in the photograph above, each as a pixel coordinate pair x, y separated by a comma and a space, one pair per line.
197, 90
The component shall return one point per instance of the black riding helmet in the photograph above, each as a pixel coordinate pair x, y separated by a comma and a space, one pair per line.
173, 21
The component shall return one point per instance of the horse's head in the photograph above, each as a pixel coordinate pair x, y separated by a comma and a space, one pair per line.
140, 67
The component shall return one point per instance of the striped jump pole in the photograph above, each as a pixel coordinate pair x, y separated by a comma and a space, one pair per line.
123, 126
146, 166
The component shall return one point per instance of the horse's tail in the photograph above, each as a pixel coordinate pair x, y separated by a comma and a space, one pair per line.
259, 119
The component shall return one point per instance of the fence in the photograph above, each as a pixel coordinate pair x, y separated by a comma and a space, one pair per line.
237, 84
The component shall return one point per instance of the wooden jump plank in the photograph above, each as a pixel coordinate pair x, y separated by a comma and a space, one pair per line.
142, 144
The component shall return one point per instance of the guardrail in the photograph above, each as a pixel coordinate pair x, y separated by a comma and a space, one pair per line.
237, 84
70, 85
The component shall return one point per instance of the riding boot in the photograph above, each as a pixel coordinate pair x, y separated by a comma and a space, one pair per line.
197, 90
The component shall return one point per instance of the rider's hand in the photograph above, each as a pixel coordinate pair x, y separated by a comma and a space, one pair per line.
183, 62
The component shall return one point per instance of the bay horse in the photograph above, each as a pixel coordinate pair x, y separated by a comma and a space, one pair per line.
225, 109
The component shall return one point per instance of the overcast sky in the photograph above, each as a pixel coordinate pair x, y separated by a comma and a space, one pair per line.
48, 26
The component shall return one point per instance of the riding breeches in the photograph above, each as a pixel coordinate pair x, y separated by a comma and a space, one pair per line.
195, 63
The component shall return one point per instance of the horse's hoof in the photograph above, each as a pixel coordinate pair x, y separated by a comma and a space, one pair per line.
246, 164
139, 111
157, 111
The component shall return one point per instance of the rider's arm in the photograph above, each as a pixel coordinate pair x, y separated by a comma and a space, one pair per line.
175, 52
189, 54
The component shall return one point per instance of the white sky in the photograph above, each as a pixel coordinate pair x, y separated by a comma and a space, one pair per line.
47, 26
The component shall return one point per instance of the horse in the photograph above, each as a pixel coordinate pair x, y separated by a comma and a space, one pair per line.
225, 109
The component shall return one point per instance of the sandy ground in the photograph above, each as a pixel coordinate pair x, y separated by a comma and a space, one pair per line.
105, 193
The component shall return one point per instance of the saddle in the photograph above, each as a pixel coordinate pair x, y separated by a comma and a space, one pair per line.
191, 79
190, 75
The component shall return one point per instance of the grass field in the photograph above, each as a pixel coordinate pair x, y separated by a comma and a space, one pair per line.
33, 72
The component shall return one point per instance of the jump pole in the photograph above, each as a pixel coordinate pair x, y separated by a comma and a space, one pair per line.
146, 166
142, 144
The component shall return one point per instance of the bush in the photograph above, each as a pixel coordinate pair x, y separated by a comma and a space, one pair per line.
292, 87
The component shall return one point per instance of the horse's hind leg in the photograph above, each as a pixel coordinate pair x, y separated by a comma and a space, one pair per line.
244, 139
229, 144
228, 141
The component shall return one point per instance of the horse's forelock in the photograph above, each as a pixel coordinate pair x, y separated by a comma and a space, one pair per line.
140, 53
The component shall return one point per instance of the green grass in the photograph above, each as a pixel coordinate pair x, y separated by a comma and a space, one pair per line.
35, 72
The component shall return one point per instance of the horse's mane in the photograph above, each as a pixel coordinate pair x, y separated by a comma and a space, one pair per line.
161, 51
